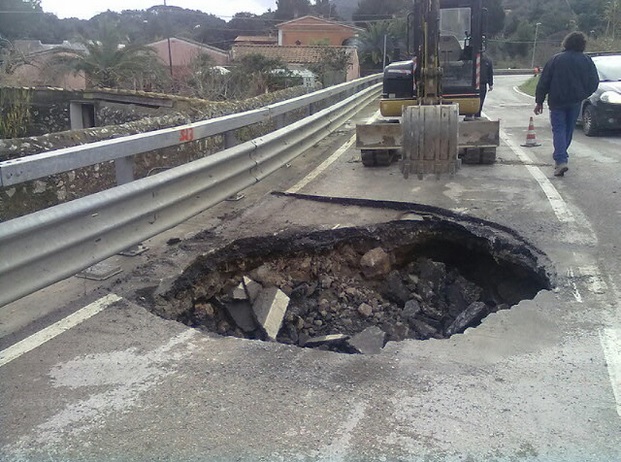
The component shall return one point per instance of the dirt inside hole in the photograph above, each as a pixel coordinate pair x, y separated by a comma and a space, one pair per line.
352, 290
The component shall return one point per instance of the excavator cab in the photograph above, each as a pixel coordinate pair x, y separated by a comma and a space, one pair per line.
460, 42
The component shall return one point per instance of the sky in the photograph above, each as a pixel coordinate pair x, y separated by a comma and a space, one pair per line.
86, 9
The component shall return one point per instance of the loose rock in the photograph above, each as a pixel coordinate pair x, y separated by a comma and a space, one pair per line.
375, 263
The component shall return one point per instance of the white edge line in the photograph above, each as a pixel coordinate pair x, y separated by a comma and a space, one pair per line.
611, 344
609, 339
517, 90
559, 206
30, 343
329, 161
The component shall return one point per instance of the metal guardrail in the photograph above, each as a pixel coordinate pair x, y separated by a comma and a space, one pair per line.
36, 166
47, 246
513, 71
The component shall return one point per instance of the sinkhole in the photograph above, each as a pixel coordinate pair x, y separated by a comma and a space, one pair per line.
351, 290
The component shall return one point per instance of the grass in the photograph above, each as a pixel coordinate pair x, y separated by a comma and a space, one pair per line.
530, 85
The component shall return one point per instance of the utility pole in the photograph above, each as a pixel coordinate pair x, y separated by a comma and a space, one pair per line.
532, 63
170, 62
384, 56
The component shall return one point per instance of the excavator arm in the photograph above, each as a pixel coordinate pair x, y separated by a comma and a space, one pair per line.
429, 86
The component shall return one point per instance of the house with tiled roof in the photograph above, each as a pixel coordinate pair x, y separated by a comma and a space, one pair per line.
303, 41
256, 40
298, 57
311, 30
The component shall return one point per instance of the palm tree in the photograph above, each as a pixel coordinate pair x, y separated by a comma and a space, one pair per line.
110, 63
372, 41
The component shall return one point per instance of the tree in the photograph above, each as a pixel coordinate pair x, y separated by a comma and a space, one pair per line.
495, 17
374, 10
254, 75
332, 65
20, 19
290, 9
248, 24
589, 16
612, 10
325, 8
10, 59
372, 42
520, 43
206, 80
108, 62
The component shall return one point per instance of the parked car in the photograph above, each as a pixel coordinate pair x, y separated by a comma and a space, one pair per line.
602, 110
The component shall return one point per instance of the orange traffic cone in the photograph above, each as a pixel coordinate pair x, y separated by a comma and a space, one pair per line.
531, 138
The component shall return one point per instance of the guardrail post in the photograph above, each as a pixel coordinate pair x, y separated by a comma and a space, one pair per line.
124, 167
280, 121
311, 109
230, 140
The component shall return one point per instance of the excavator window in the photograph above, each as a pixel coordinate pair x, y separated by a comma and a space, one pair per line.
454, 47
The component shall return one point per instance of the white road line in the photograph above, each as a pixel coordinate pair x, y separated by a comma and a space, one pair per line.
610, 339
329, 161
47, 334
517, 90
611, 344
559, 206
576, 293
324, 165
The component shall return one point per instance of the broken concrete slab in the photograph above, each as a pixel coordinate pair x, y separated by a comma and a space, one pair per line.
269, 309
252, 288
370, 341
423, 329
469, 317
239, 292
241, 313
325, 340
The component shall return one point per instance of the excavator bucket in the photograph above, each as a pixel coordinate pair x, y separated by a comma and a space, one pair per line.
388, 135
430, 139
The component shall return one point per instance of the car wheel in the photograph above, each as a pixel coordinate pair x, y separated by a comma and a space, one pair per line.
589, 121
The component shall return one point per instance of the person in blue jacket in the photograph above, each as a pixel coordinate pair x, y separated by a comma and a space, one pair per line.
567, 79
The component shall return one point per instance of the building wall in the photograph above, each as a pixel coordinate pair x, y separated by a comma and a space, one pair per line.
38, 74
184, 53
310, 31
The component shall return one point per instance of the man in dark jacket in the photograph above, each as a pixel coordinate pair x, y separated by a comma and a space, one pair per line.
487, 80
567, 79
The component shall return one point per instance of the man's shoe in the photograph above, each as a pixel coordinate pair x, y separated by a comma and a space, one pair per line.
560, 169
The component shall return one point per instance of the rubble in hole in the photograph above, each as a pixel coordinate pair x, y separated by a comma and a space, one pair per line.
349, 296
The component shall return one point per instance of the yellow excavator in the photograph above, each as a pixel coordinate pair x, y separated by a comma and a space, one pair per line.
425, 97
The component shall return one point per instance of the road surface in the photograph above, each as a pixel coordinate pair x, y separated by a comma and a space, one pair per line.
108, 380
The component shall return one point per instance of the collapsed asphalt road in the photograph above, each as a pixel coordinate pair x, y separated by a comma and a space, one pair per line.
535, 382
431, 275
